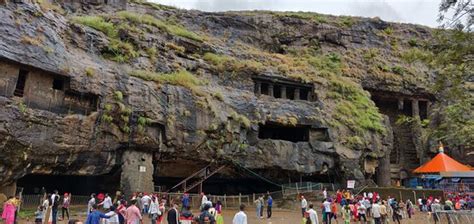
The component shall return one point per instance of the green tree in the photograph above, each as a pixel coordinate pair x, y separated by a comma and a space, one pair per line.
453, 62
456, 14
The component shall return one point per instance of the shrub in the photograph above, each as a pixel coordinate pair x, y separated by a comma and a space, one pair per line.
414, 54
218, 95
370, 54
97, 23
398, 70
388, 31
90, 71
120, 51
413, 42
118, 95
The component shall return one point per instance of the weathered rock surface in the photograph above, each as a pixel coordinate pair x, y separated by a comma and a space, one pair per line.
183, 124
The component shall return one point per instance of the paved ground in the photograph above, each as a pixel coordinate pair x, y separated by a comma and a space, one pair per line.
279, 217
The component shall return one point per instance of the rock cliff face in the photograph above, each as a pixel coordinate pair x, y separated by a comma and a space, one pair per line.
283, 94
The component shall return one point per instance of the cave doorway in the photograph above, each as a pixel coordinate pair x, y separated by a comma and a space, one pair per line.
74, 184
423, 106
20, 83
280, 132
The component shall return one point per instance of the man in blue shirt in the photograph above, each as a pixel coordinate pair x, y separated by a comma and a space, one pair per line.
185, 201
95, 215
269, 206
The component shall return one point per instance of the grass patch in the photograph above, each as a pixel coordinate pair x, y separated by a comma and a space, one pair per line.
97, 23
31, 41
120, 51
180, 78
346, 21
414, 54
174, 29
46, 5
355, 109
315, 17
175, 47
224, 63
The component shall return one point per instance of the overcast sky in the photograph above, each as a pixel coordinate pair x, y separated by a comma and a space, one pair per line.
408, 11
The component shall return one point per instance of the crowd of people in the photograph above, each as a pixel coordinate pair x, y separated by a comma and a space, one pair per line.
367, 207
102, 209
371, 208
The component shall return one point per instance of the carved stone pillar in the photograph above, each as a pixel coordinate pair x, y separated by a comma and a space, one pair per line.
283, 92
137, 172
270, 90
415, 108
258, 88
400, 103
297, 94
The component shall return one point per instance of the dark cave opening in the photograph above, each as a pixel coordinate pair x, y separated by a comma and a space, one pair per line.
280, 132
77, 185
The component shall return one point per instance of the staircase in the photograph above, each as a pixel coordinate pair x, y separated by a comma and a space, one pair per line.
196, 179
409, 157
395, 171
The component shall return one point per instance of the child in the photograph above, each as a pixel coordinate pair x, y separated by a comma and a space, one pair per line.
39, 215
346, 214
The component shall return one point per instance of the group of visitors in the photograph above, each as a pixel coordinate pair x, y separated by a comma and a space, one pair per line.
371, 208
260, 206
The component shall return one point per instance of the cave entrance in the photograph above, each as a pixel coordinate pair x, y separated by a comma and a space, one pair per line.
77, 185
220, 185
280, 132
20, 83
407, 108
423, 106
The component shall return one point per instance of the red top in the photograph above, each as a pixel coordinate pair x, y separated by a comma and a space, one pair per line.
442, 163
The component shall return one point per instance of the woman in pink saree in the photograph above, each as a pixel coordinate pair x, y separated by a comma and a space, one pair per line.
8, 214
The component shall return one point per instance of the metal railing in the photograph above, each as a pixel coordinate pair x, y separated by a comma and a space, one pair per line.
34, 200
452, 217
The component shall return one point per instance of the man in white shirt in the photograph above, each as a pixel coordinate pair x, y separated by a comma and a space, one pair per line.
90, 203
203, 199
114, 218
304, 205
107, 203
313, 215
376, 213
327, 209
325, 193
240, 217
146, 199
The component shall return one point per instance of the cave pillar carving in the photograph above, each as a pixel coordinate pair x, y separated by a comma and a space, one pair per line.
283, 92
400, 103
270, 90
137, 172
297, 94
415, 109
258, 88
